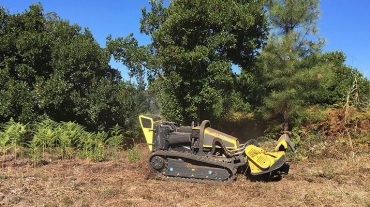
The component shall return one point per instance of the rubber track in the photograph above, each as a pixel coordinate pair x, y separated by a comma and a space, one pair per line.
224, 163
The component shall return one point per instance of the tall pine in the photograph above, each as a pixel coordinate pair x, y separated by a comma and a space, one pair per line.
291, 77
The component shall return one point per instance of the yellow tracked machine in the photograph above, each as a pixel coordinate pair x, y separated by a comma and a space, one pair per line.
201, 153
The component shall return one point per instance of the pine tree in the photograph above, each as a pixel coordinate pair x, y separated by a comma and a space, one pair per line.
290, 76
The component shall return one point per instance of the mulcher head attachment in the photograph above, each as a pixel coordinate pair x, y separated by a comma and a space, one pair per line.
261, 162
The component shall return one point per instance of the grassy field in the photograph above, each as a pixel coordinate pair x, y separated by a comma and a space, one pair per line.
313, 182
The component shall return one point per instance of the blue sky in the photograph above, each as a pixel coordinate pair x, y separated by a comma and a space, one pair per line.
344, 24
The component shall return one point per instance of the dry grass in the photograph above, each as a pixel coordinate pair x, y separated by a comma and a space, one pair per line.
326, 182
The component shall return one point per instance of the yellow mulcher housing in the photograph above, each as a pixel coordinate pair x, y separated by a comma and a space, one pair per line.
196, 153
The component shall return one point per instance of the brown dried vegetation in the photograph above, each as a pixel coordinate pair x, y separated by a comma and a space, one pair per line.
327, 182
333, 174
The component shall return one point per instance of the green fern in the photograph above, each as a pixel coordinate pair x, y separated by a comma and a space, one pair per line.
35, 152
45, 135
68, 136
14, 136
92, 146
115, 141
4, 144
116, 137
134, 154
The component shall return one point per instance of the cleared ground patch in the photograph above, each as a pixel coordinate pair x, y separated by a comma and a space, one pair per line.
323, 182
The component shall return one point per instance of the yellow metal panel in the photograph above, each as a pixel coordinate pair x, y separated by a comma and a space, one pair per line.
148, 131
259, 160
281, 143
229, 141
257, 156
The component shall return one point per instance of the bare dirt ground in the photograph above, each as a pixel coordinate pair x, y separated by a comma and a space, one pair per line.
325, 182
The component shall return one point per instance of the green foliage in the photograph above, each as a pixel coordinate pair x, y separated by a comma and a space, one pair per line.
17, 199
92, 146
4, 143
292, 72
64, 140
115, 141
13, 136
68, 135
51, 69
345, 81
194, 46
116, 137
49, 134
45, 136
134, 154
35, 151
292, 84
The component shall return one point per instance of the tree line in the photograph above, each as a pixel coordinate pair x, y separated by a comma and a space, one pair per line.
50, 69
